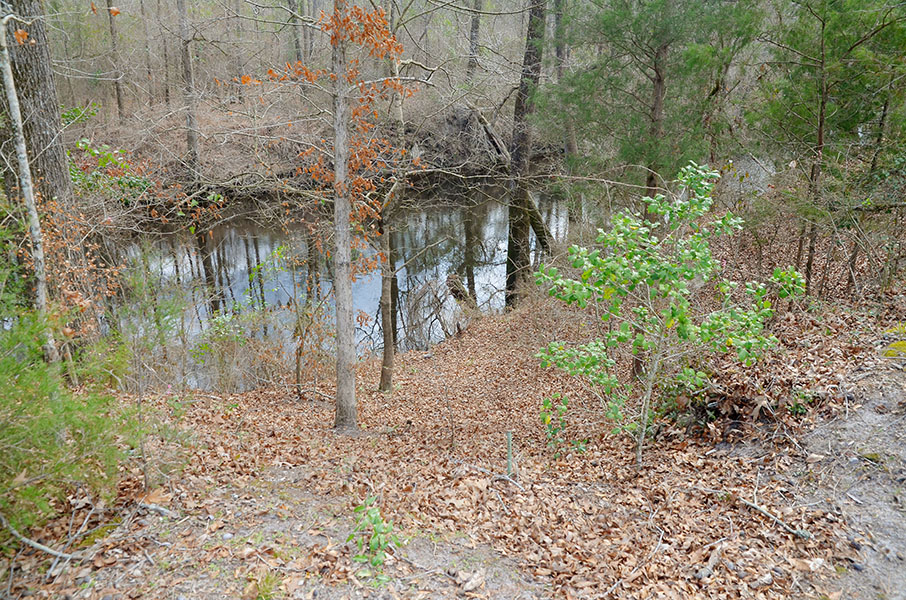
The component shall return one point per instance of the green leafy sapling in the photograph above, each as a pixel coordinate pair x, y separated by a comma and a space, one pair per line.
373, 536
641, 277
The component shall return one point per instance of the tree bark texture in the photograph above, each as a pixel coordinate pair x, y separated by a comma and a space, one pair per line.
346, 418
519, 223
387, 274
40, 108
190, 101
26, 188
474, 31
656, 117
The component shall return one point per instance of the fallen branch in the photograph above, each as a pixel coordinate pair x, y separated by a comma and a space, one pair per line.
159, 510
33, 544
805, 535
801, 533
505, 478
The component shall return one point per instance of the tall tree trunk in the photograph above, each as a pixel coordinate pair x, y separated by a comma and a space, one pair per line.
115, 58
26, 188
474, 30
294, 9
879, 144
346, 418
387, 267
164, 46
561, 52
38, 102
814, 182
656, 117
302, 9
519, 224
188, 91
147, 42
387, 274
312, 6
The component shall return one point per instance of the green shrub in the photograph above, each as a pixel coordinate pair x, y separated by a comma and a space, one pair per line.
641, 279
50, 438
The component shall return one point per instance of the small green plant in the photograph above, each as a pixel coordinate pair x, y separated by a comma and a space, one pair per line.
106, 169
373, 536
77, 115
553, 416
641, 278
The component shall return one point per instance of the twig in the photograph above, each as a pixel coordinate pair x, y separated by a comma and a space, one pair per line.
159, 509
797, 532
502, 503
148, 556
316, 392
34, 544
12, 570
801, 533
69, 542
505, 478
854, 499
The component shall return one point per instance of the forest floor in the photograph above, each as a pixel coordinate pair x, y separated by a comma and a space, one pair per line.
804, 506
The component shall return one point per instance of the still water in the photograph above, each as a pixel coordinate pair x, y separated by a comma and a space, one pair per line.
254, 270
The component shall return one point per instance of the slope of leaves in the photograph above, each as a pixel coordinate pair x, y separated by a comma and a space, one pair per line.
586, 524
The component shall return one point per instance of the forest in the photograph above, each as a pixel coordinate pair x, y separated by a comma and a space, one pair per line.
502, 299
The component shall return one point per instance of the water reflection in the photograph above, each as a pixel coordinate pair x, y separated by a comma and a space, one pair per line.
242, 269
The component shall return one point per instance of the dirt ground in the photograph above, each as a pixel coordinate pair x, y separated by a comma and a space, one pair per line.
855, 468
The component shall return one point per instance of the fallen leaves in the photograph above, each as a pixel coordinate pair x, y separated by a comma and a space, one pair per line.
583, 523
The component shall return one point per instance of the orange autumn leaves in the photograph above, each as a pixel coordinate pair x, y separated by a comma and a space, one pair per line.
113, 10
372, 159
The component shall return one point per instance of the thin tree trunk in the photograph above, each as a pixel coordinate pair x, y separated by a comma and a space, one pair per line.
189, 98
115, 58
294, 8
650, 379
474, 31
816, 171
164, 46
26, 188
312, 12
346, 418
147, 42
387, 267
387, 273
879, 144
561, 51
302, 9
519, 222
